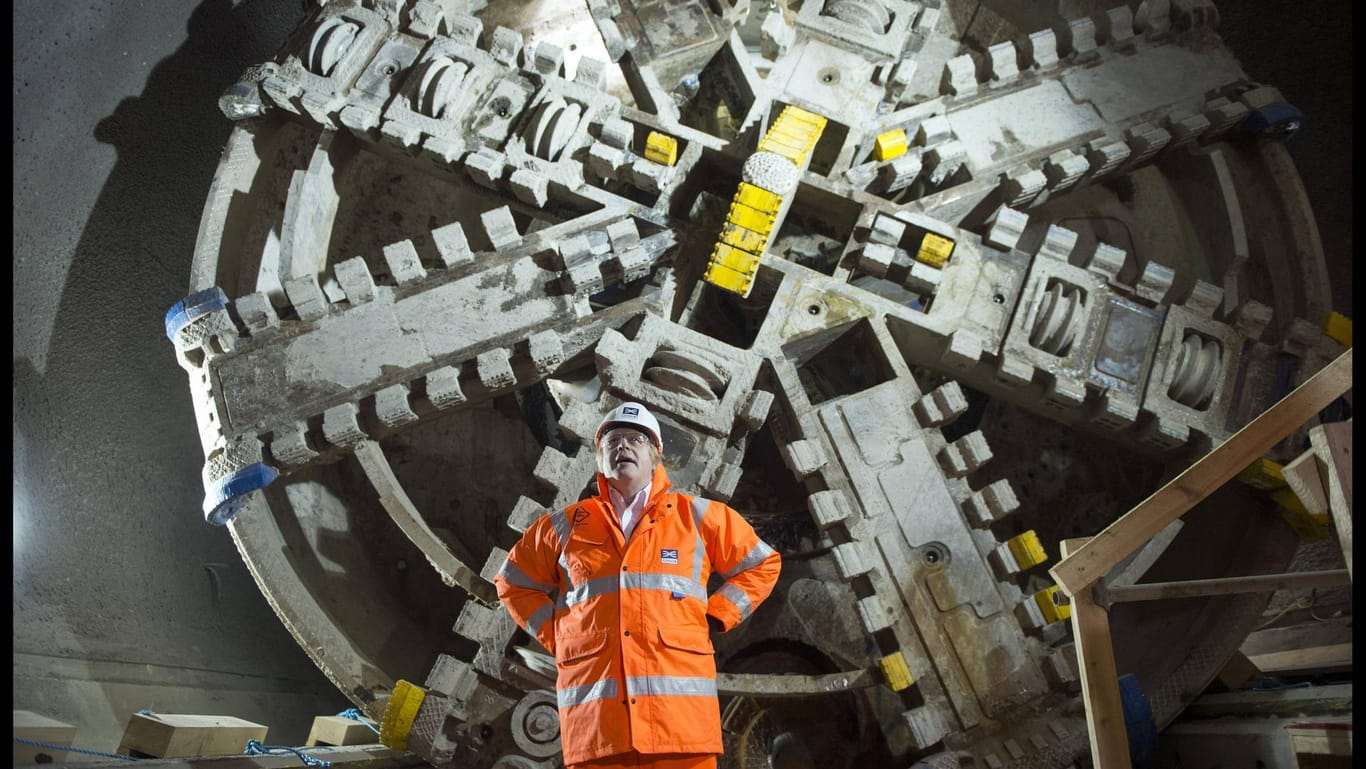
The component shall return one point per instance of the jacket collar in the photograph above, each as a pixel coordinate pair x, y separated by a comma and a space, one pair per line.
658, 485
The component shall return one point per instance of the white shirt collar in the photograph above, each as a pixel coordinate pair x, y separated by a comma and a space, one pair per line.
629, 511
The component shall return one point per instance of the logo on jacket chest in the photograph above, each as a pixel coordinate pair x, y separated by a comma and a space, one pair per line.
669, 556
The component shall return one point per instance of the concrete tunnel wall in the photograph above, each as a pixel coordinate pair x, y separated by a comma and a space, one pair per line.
123, 597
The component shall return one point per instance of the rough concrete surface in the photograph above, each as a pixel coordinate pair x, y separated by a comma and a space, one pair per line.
123, 597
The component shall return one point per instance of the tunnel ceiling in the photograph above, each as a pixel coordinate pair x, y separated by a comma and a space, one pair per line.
919, 288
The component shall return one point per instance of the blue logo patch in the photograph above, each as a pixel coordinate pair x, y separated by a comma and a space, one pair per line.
668, 556
630, 411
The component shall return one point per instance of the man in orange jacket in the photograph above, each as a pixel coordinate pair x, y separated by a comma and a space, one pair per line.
615, 586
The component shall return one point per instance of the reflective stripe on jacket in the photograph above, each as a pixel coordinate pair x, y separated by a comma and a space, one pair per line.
627, 622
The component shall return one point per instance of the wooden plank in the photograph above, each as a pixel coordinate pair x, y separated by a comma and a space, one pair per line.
1098, 556
1329, 700
339, 730
1308, 634
1303, 477
1333, 444
1331, 658
163, 735
1099, 679
1197, 588
36, 727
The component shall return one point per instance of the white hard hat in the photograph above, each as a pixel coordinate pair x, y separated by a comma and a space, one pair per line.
631, 414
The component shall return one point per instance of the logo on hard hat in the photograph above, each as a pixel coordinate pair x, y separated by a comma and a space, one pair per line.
630, 411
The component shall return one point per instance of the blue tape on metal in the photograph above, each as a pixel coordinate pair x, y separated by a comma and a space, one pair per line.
1276, 121
226, 497
193, 306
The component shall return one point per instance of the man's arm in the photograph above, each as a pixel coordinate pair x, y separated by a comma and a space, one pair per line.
749, 566
528, 582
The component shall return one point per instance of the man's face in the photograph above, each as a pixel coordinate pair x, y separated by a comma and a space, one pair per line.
625, 458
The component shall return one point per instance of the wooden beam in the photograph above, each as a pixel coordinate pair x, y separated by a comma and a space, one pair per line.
1099, 679
1198, 588
1098, 556
1333, 444
1330, 658
1303, 477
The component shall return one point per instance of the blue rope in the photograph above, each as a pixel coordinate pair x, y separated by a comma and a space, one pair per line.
70, 749
255, 748
355, 715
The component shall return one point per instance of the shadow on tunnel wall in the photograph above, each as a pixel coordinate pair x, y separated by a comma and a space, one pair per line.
121, 590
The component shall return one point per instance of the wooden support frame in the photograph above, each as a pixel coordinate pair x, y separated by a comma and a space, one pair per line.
1086, 562
1199, 588
1099, 676
1104, 551
1333, 445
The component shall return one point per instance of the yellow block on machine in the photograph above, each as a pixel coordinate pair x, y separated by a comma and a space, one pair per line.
661, 148
1263, 474
1027, 549
793, 134
897, 672
743, 238
750, 218
1053, 603
724, 277
1339, 327
934, 250
735, 259
758, 198
890, 144
1310, 527
400, 714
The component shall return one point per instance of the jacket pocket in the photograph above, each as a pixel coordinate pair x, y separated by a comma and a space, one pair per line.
576, 648
687, 639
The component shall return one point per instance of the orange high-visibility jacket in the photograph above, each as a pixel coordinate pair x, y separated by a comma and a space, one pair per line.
627, 622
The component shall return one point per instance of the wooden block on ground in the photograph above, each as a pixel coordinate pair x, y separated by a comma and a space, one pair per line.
339, 730
39, 728
163, 735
